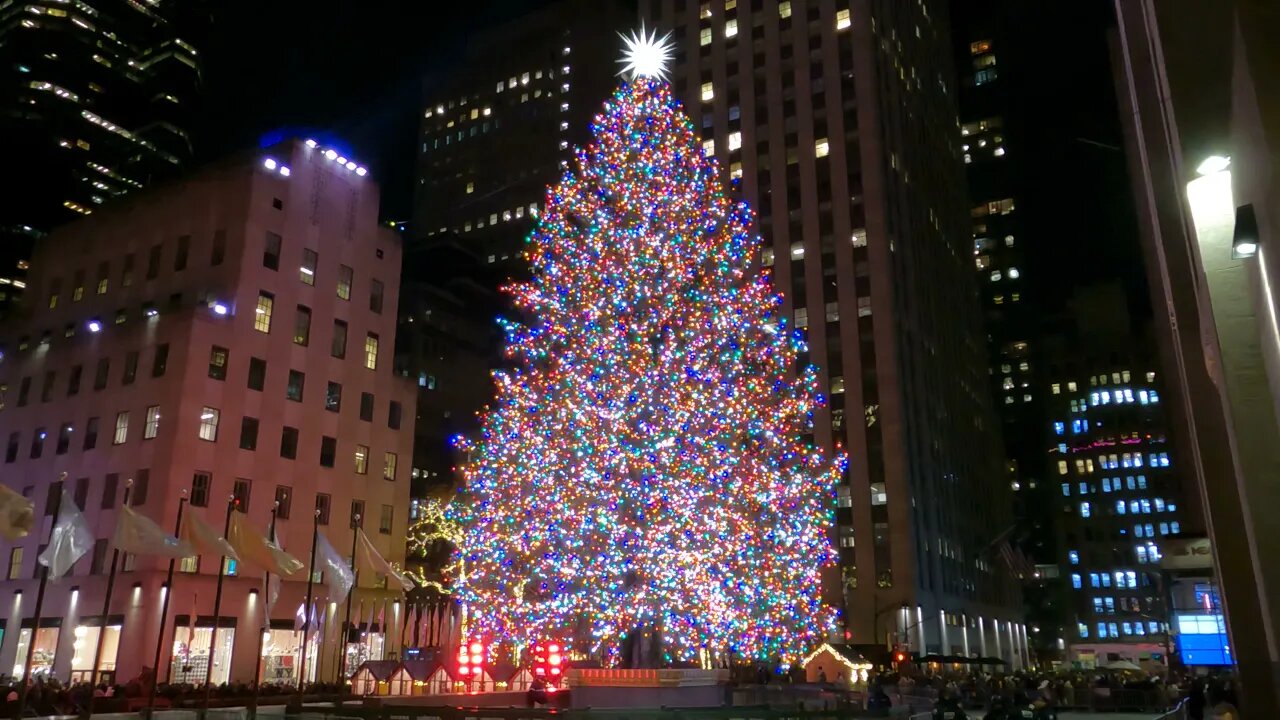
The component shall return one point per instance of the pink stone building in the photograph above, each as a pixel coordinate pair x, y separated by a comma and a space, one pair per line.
227, 335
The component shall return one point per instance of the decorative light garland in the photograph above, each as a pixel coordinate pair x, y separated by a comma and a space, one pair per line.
645, 465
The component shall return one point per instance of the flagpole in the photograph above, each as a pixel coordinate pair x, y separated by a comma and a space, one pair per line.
266, 620
306, 607
355, 585
164, 610
106, 601
217, 604
35, 622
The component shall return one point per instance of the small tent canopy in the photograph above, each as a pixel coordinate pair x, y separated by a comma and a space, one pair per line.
372, 676
838, 663
412, 676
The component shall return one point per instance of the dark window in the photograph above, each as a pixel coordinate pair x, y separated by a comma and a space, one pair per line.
11, 452
99, 556
73, 383
91, 434
277, 203
46, 390
140, 485
130, 368
257, 373
384, 520
333, 397
284, 495
219, 247
357, 514
218, 362
393, 415
52, 498
323, 503
109, 490
289, 443
64, 439
201, 483
302, 326
328, 451
338, 348
81, 492
153, 262
161, 360
37, 442
248, 433
24, 391
126, 273
180, 257
240, 491
375, 296
366, 406
271, 251
99, 376
296, 382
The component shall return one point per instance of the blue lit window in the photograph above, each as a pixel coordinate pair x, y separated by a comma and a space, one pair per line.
1106, 580
1106, 484
1085, 510
1062, 448
1074, 557
1142, 482
1175, 527
1097, 605
1093, 399
1142, 555
984, 76
1066, 489
1132, 577
1159, 504
1078, 426
1084, 488
1146, 506
1075, 581
1133, 506
1150, 530
1113, 629
1093, 580
1164, 459
1164, 528
1102, 629
1155, 398
1126, 628
1111, 606
1137, 530
1142, 396
1153, 626
1120, 507
1082, 629
1059, 428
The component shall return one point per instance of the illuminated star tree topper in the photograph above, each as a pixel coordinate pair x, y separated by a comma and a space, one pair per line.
646, 55
646, 468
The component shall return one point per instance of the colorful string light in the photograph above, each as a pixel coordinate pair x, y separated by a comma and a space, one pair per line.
646, 461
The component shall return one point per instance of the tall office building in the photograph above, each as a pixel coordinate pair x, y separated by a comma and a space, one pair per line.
98, 99
837, 121
228, 336
1117, 489
502, 128
1201, 107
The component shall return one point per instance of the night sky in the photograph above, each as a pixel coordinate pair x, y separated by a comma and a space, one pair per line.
354, 72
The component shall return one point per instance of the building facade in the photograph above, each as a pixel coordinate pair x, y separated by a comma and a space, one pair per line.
496, 133
99, 98
1119, 493
221, 341
1198, 87
837, 122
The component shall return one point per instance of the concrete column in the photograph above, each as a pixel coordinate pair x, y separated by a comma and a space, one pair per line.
942, 632
924, 645
1015, 657
995, 634
982, 636
964, 619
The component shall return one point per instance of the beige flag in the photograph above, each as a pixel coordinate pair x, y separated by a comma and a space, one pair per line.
369, 560
139, 535
254, 549
204, 538
17, 514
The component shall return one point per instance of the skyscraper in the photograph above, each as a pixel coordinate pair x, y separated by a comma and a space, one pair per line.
498, 131
838, 122
98, 100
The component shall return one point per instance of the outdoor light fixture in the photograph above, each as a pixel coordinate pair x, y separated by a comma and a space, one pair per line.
311, 143
269, 163
1213, 164
285, 171
1244, 239
361, 171
151, 311
94, 325
340, 160
330, 154
219, 308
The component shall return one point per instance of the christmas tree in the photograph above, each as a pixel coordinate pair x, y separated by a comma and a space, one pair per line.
646, 464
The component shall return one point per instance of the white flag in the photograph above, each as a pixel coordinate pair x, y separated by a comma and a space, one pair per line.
139, 535
337, 573
69, 541
368, 559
